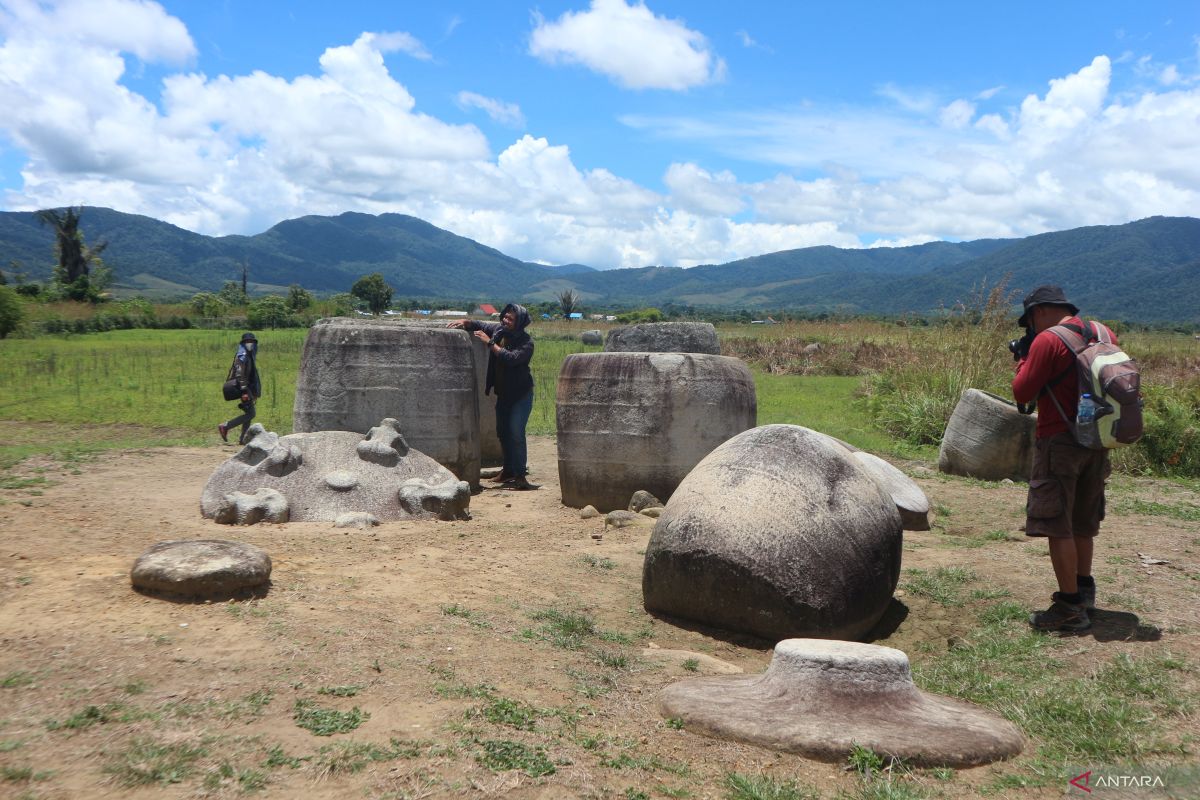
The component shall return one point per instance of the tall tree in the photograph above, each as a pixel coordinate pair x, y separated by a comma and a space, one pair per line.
568, 301
74, 256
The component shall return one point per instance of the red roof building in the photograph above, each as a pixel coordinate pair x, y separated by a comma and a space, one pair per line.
486, 308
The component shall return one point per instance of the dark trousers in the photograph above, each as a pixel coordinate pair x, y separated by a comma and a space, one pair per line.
511, 418
243, 420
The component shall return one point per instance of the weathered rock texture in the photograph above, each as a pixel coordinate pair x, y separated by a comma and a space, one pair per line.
910, 501
779, 532
821, 698
642, 500
988, 438
630, 421
664, 337
240, 508
355, 372
592, 337
326, 474
201, 568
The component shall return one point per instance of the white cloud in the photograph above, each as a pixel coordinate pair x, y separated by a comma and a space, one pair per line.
238, 153
398, 42
630, 45
957, 114
696, 190
919, 101
505, 113
1170, 75
988, 94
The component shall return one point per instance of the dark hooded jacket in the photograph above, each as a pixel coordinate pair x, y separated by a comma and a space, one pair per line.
245, 371
508, 371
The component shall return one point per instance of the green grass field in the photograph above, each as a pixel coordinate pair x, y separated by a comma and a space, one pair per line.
138, 388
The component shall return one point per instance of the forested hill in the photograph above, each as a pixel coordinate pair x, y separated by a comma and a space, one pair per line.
1146, 270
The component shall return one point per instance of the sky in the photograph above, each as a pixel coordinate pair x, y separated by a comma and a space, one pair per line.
608, 132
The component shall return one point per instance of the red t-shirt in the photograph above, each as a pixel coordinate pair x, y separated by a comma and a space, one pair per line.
1048, 358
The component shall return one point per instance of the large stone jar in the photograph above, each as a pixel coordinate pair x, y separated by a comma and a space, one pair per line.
629, 421
780, 533
490, 454
988, 438
664, 337
354, 372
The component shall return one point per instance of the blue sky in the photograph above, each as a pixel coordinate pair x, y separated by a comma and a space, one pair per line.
608, 132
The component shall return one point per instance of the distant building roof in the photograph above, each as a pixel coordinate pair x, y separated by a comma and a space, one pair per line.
447, 313
575, 315
486, 308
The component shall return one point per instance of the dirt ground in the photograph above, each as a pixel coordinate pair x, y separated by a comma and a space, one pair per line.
429, 624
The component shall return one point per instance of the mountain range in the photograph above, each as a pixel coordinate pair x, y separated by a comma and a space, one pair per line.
1147, 270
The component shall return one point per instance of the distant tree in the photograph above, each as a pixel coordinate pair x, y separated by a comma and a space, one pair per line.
340, 304
298, 297
568, 301
32, 289
231, 294
271, 311
207, 304
3, 280
373, 290
79, 274
245, 275
641, 315
12, 310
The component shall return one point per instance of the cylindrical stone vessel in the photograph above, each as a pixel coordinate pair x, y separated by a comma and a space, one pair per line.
355, 372
664, 337
490, 454
988, 438
629, 421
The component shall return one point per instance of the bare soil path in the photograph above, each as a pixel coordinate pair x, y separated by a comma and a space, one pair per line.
467, 643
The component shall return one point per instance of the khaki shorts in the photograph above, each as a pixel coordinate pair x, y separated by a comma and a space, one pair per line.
1066, 489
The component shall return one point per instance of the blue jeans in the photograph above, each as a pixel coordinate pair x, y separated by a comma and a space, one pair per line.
511, 418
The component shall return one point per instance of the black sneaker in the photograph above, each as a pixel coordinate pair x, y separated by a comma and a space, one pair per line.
1061, 616
1088, 593
521, 484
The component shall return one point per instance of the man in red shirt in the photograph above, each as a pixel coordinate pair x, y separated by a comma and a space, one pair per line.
1066, 487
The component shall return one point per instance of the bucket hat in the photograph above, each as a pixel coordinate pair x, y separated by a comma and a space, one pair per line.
1045, 296
249, 337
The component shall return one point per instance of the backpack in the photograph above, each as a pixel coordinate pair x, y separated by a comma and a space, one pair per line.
1112, 378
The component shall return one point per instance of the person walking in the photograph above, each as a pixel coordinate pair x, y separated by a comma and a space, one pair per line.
244, 370
510, 350
1066, 487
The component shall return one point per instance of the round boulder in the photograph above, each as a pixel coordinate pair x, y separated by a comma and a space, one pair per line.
630, 421
592, 337
779, 532
664, 337
822, 698
988, 438
201, 568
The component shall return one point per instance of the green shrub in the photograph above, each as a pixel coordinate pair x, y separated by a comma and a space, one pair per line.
12, 311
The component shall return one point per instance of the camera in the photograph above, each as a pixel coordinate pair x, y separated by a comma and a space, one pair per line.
1020, 347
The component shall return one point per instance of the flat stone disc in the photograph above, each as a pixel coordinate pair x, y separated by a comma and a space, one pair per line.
820, 698
201, 568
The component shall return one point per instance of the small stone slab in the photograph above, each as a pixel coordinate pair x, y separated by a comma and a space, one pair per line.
588, 512
821, 697
621, 519
654, 512
642, 500
201, 568
356, 519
